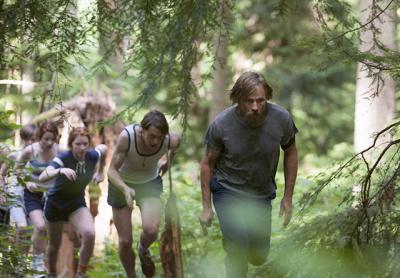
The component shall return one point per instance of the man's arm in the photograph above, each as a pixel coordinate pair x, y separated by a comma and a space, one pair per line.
99, 175
290, 164
116, 162
206, 171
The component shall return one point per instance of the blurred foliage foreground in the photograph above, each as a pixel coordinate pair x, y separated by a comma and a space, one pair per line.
346, 223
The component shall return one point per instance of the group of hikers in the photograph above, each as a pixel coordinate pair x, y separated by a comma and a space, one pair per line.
237, 173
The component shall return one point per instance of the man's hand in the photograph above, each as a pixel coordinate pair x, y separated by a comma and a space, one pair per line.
286, 210
163, 168
98, 178
129, 194
68, 173
205, 219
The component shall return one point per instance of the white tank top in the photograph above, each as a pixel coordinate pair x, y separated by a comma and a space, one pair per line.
139, 168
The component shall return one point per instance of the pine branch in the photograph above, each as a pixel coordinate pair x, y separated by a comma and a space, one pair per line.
362, 25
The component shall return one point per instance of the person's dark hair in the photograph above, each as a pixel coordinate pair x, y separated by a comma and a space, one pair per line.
47, 127
78, 131
27, 132
246, 84
157, 119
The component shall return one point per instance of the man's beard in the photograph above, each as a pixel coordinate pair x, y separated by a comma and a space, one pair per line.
253, 119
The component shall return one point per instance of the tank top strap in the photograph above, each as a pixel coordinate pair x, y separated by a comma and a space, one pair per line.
130, 130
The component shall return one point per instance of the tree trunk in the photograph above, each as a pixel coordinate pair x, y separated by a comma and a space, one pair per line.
375, 92
218, 100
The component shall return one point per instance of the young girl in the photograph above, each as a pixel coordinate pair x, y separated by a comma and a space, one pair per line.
36, 157
73, 170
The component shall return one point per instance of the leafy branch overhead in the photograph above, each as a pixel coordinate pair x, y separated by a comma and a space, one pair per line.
341, 33
158, 40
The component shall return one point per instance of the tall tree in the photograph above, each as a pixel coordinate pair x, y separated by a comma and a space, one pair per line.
375, 90
218, 96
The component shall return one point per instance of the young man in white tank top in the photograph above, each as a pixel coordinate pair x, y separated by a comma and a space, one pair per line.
134, 174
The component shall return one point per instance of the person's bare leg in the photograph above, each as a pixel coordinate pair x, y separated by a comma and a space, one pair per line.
39, 231
123, 223
82, 221
150, 209
151, 212
54, 231
18, 216
22, 240
39, 240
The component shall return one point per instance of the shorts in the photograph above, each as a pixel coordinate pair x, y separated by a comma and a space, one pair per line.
54, 213
151, 189
33, 201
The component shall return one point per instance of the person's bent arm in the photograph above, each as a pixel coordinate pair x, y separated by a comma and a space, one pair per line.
206, 171
118, 158
23, 158
290, 165
50, 172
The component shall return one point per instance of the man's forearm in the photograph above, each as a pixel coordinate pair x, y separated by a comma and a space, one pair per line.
116, 179
290, 170
102, 163
205, 178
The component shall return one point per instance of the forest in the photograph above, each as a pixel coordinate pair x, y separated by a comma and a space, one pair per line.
333, 64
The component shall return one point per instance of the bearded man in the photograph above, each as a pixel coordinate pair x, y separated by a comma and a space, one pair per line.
238, 171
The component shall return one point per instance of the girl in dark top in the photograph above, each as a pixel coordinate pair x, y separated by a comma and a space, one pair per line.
36, 157
73, 171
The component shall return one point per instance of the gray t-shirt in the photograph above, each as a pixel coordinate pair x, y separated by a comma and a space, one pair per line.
249, 156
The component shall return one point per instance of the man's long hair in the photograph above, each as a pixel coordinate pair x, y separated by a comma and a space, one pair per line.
246, 84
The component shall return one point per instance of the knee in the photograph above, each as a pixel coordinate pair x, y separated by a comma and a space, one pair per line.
151, 231
88, 236
41, 229
22, 230
125, 243
53, 246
